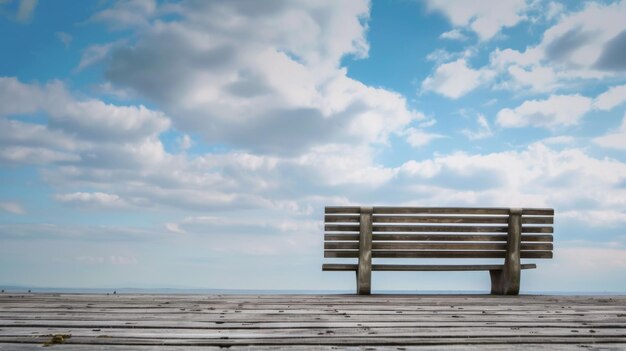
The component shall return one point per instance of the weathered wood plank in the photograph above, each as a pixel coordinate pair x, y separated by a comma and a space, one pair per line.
449, 219
436, 254
436, 228
341, 218
342, 209
439, 210
177, 324
405, 267
437, 237
442, 347
440, 219
312, 332
537, 220
421, 228
324, 339
403, 245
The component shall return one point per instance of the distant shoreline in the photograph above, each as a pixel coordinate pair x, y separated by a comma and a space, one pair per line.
182, 291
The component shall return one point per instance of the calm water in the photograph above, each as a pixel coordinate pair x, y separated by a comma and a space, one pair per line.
23, 289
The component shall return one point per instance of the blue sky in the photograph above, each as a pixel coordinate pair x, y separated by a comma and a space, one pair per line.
194, 144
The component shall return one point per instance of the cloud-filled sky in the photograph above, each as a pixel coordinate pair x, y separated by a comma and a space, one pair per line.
194, 144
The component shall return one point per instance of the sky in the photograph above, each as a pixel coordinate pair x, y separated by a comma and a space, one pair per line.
194, 144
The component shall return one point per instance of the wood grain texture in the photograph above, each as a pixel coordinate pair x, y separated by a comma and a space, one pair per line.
364, 270
438, 219
438, 233
438, 237
438, 210
421, 268
313, 322
434, 254
403, 245
436, 228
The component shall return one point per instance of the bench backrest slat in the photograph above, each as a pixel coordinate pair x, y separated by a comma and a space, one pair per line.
438, 237
434, 254
352, 245
433, 228
439, 210
437, 219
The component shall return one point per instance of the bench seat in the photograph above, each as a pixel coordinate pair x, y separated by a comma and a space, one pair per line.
422, 267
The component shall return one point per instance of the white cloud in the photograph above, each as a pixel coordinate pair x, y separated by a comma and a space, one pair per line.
95, 199
127, 13
108, 89
18, 133
484, 131
25, 10
334, 165
269, 80
64, 38
454, 34
611, 98
34, 155
583, 38
455, 79
255, 234
174, 228
536, 78
184, 142
559, 140
614, 140
94, 54
12, 207
582, 45
554, 9
599, 218
418, 138
538, 176
87, 119
112, 259
555, 111
485, 18
592, 260
441, 56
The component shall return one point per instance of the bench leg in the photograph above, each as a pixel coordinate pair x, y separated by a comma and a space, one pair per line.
496, 281
507, 280
364, 283
504, 284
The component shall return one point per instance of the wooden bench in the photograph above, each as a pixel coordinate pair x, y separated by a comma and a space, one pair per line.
510, 234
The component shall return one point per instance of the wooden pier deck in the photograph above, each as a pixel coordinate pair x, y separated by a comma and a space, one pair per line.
311, 322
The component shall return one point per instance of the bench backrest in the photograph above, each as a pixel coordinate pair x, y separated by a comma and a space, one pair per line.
436, 232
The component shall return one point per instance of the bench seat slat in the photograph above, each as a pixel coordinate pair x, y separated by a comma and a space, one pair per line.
437, 254
437, 237
435, 246
407, 267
